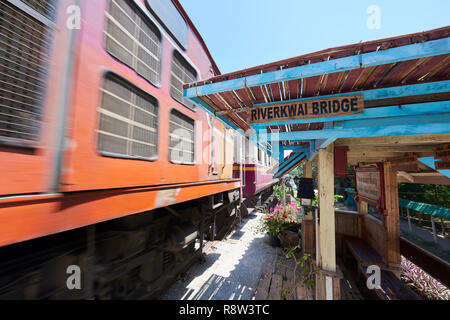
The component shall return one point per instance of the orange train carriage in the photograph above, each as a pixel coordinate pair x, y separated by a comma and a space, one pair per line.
104, 164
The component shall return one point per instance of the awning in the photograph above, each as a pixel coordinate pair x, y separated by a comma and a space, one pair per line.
397, 70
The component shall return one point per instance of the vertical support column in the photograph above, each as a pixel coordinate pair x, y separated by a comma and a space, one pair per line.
391, 221
327, 284
409, 220
433, 226
280, 153
443, 227
326, 206
363, 208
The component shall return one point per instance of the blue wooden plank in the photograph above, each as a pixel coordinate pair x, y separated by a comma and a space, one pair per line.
280, 153
392, 55
281, 171
394, 130
405, 120
372, 113
289, 161
203, 105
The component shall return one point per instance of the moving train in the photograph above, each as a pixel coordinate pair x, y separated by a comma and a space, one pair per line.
106, 168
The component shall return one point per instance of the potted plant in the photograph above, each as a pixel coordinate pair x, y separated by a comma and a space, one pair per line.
279, 221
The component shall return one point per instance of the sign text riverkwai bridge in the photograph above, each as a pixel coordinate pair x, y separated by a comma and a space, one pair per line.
315, 108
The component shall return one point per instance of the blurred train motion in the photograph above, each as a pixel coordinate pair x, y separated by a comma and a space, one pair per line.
104, 164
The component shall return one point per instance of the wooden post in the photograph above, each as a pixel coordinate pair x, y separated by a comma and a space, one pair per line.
363, 207
327, 286
391, 221
443, 227
433, 226
409, 220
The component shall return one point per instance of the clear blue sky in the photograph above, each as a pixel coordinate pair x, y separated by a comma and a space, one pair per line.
246, 33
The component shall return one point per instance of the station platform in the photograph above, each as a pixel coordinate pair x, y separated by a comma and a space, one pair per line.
231, 268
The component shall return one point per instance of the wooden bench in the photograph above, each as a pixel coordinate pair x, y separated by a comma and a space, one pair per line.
391, 287
364, 254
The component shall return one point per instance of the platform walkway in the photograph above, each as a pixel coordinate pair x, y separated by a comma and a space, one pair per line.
244, 266
231, 268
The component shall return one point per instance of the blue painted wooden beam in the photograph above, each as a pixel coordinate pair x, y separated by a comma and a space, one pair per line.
373, 113
438, 124
392, 55
289, 161
429, 161
280, 153
319, 144
202, 104
289, 166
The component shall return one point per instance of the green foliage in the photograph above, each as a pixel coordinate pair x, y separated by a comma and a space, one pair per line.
278, 191
298, 171
315, 201
308, 265
426, 193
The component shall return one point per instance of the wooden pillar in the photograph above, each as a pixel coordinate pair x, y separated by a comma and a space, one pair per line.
363, 207
391, 221
327, 284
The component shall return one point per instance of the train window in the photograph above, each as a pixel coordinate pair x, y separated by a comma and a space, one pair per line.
134, 40
25, 33
170, 17
259, 155
128, 121
181, 138
182, 73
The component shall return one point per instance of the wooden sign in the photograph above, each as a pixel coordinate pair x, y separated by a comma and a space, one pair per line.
314, 108
369, 186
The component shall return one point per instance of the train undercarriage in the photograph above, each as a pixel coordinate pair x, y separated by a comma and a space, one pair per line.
134, 257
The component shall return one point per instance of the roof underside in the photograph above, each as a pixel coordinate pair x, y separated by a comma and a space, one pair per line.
414, 71
405, 84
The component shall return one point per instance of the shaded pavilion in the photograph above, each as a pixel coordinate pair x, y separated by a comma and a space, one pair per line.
399, 130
